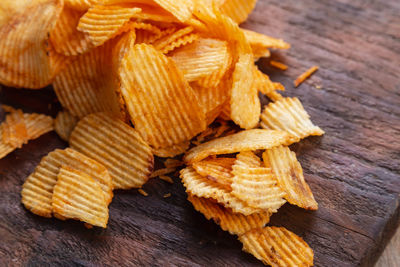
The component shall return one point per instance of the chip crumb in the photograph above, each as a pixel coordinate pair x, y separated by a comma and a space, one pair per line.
167, 195
142, 192
166, 178
171, 163
88, 226
304, 76
162, 172
278, 65
318, 86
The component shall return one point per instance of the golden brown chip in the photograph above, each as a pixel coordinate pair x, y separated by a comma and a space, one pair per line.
289, 175
277, 246
117, 146
14, 129
78, 196
170, 163
172, 151
278, 65
163, 171
9, 8
256, 185
238, 10
181, 9
38, 124
163, 43
218, 170
5, 148
264, 84
234, 223
289, 115
248, 140
64, 124
182, 41
200, 186
38, 188
162, 105
81, 5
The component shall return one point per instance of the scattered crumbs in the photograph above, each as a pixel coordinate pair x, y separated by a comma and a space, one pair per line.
162, 172
318, 86
166, 178
167, 195
142, 192
278, 65
304, 76
88, 226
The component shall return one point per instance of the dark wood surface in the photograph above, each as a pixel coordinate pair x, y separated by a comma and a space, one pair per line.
353, 170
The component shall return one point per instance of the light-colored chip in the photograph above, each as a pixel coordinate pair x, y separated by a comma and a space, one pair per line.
277, 246
256, 185
264, 84
117, 146
238, 10
234, 223
163, 42
5, 148
161, 104
181, 9
200, 186
163, 171
78, 196
182, 41
218, 170
289, 175
171, 151
81, 5
14, 129
38, 124
261, 43
64, 124
37, 190
248, 140
9, 8
26, 59
289, 115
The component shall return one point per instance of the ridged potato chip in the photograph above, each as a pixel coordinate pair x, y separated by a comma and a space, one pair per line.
181, 9
218, 170
238, 10
289, 115
37, 190
264, 84
200, 186
289, 175
9, 8
277, 246
256, 185
248, 140
26, 59
182, 41
38, 124
261, 43
164, 42
78, 196
234, 223
172, 151
5, 148
81, 5
117, 146
64, 124
161, 104
14, 128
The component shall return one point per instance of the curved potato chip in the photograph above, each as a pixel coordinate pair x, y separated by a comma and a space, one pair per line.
234, 223
238, 10
137, 25
14, 129
182, 41
81, 5
117, 146
38, 124
289, 175
218, 170
172, 151
277, 246
259, 41
162, 43
37, 190
288, 115
145, 37
248, 140
64, 124
162, 105
256, 185
26, 59
9, 8
78, 196
181, 9
200, 186
5, 148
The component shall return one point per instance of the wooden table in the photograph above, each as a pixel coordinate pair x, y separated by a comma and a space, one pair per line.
353, 170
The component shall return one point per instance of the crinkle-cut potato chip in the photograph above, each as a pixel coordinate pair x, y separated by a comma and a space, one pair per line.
15, 132
238, 10
259, 40
64, 124
26, 59
182, 41
289, 175
163, 42
201, 58
38, 124
137, 25
264, 84
81, 5
218, 170
245, 103
247, 159
89, 83
103, 23
145, 37
161, 104
172, 151
234, 223
65, 37
181, 9
9, 8
200, 186
256, 185
289, 115
277, 246
117, 146
5, 148
248, 140
78, 196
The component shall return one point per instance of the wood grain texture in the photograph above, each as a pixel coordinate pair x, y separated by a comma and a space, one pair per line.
353, 170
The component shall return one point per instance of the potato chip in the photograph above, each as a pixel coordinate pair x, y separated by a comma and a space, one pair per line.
225, 112
277, 246
181, 9
164, 171
248, 140
264, 84
145, 37
256, 185
81, 5
26, 59
64, 124
182, 41
78, 196
117, 146
289, 175
137, 25
14, 129
234, 223
103, 23
172, 151
9, 8
171, 163
245, 103
304, 76
218, 170
238, 10
38, 188
162, 43
200, 186
65, 37
38, 124
162, 105
150, 12
261, 43
289, 115
5, 148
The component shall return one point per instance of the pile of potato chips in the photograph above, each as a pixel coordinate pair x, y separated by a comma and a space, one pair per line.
138, 78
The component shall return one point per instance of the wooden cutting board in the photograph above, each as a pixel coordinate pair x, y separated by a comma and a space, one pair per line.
353, 170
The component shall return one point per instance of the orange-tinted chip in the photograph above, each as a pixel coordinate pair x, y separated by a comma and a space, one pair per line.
181, 9
81, 5
238, 10
14, 129
171, 151
218, 170
64, 124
